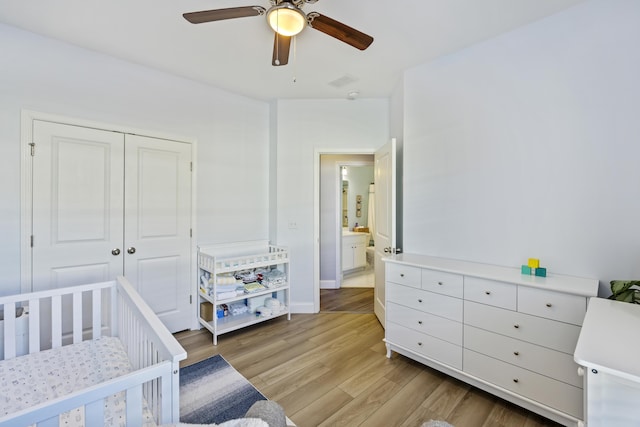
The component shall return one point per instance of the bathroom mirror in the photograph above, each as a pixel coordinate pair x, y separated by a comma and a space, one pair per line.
356, 180
345, 201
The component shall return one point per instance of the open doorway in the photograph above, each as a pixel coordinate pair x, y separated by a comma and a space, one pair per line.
346, 224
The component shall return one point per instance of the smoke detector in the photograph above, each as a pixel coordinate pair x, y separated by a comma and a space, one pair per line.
353, 94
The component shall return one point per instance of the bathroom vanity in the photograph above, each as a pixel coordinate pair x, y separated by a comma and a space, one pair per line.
354, 245
510, 334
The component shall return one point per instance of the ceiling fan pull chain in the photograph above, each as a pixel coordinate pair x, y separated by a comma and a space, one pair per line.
295, 44
277, 43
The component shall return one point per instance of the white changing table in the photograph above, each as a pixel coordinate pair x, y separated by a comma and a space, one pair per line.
608, 349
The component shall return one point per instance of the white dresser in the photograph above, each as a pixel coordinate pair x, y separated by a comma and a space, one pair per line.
509, 334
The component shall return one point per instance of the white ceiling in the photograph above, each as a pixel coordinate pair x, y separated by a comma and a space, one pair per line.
236, 54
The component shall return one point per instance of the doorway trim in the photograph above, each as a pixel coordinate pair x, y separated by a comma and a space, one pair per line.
316, 212
27, 117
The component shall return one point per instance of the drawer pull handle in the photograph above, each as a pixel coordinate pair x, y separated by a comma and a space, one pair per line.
419, 300
420, 344
419, 322
517, 353
516, 326
401, 274
549, 304
440, 283
515, 380
487, 292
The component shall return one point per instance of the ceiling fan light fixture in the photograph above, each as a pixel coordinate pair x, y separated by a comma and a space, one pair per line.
286, 19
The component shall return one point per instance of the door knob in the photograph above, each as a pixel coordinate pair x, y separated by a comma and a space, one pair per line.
131, 250
115, 252
387, 250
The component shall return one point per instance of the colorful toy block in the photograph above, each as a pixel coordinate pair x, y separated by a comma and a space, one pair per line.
541, 272
533, 268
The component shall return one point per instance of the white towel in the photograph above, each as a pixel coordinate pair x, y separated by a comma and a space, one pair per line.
273, 304
263, 311
226, 295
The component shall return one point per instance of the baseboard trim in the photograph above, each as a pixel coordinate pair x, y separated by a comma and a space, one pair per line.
302, 308
328, 284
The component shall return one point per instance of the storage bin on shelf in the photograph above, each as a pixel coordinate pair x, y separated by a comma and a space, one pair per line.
245, 282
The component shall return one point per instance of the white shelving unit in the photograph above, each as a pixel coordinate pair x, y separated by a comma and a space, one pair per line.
229, 258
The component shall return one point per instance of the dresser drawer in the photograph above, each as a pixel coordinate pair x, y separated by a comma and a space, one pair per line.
552, 305
548, 333
442, 283
428, 302
555, 394
551, 363
425, 345
498, 294
436, 326
403, 274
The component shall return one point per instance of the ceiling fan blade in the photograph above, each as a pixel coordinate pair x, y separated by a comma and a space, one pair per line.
339, 30
220, 14
281, 47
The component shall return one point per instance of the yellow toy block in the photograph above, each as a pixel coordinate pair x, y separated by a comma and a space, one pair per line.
533, 263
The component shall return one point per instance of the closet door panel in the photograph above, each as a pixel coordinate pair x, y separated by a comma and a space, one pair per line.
158, 225
77, 205
77, 202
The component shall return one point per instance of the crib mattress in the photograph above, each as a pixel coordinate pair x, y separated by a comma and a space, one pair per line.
35, 378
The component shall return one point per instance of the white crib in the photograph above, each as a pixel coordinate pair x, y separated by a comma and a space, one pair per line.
149, 390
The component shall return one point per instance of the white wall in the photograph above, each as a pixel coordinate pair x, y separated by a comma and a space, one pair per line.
232, 132
305, 128
527, 146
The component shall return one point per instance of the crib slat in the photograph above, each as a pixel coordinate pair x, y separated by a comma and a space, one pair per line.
134, 406
34, 326
56, 321
114, 303
94, 411
10, 330
165, 406
51, 422
97, 313
77, 317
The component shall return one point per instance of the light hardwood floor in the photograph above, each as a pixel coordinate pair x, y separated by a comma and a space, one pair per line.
350, 300
330, 369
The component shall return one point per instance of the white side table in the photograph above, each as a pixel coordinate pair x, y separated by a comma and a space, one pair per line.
609, 350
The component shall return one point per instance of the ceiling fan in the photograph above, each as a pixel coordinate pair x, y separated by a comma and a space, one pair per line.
287, 19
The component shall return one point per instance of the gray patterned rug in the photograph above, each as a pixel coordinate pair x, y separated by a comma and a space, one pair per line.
212, 391
434, 423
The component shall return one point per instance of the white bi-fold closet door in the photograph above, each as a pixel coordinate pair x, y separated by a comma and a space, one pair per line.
107, 203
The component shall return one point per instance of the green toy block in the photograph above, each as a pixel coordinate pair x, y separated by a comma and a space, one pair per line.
541, 272
526, 269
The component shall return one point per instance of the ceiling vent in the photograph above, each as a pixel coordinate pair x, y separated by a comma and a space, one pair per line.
343, 81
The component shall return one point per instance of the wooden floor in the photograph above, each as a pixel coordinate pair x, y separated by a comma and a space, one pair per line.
330, 369
348, 300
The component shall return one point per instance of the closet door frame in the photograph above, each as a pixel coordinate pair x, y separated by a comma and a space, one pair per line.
26, 188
